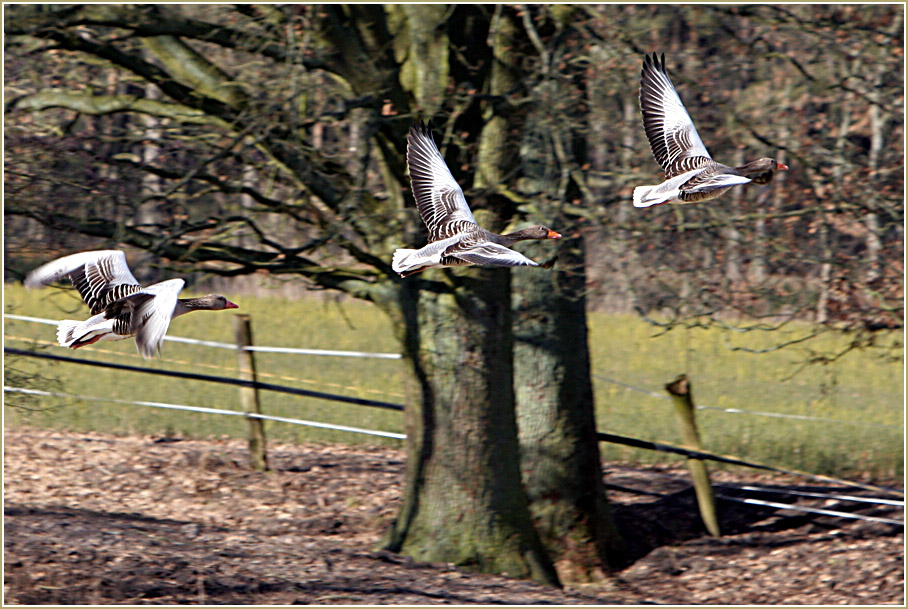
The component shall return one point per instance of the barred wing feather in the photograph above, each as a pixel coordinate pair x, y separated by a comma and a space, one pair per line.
101, 277
707, 183
493, 254
439, 198
673, 138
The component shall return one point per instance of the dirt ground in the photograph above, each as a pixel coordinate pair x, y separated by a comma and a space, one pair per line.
99, 519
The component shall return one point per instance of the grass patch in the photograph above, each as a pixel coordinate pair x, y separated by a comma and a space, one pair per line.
855, 404
853, 407
310, 323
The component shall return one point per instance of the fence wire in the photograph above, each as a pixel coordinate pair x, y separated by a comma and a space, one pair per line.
635, 442
779, 415
399, 436
364, 354
204, 410
234, 347
210, 378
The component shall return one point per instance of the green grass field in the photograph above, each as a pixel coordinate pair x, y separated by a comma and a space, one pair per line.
856, 402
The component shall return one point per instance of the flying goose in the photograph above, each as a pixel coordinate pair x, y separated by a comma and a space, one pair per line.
691, 175
455, 239
120, 307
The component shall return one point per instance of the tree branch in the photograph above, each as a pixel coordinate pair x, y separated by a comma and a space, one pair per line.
153, 20
87, 103
245, 260
185, 64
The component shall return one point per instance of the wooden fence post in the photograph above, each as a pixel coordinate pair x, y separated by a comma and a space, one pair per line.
683, 399
249, 396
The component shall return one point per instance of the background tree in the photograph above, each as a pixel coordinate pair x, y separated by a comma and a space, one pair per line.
555, 405
787, 82
361, 73
267, 141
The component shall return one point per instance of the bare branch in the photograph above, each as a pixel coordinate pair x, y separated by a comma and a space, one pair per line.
87, 103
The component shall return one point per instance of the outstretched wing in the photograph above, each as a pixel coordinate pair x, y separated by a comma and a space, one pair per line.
706, 183
101, 277
152, 310
438, 197
672, 136
488, 253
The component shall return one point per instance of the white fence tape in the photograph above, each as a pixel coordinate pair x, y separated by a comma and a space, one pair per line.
322, 352
37, 320
235, 413
801, 508
330, 353
760, 489
209, 343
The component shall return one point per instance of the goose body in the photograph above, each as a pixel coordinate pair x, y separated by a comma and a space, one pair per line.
691, 174
121, 308
455, 239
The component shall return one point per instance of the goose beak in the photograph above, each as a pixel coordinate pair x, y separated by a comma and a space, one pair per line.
553, 235
230, 305
782, 167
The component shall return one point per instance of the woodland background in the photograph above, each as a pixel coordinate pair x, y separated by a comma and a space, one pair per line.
262, 147
819, 87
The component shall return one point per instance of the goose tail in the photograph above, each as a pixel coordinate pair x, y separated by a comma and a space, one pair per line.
68, 332
74, 334
399, 262
642, 197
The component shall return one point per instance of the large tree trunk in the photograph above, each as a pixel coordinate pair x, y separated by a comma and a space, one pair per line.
556, 419
555, 408
463, 500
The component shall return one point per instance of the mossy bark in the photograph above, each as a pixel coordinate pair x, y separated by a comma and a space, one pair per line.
556, 420
464, 502
560, 456
421, 45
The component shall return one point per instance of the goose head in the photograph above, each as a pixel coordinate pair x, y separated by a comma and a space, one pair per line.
762, 170
534, 232
211, 302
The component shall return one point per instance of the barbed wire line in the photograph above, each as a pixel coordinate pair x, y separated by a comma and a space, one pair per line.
213, 379
730, 460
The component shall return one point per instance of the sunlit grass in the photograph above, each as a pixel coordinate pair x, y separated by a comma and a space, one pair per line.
855, 404
310, 323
